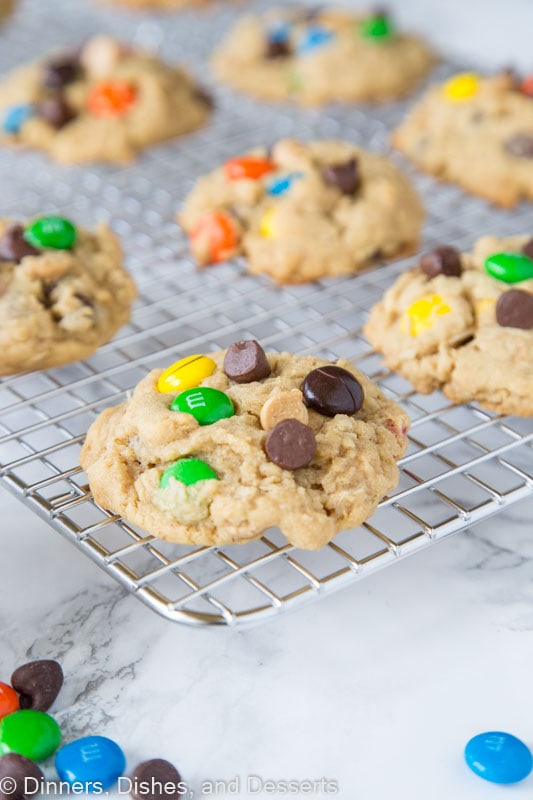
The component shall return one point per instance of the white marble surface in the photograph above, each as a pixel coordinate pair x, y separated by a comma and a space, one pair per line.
377, 687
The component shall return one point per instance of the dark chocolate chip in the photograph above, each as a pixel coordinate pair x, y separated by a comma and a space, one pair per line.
277, 49
291, 444
527, 249
60, 72
55, 111
441, 261
13, 245
332, 390
47, 289
345, 177
246, 361
161, 776
38, 684
520, 145
514, 309
25, 777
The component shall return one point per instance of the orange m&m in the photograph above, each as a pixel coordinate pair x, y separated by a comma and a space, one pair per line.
526, 87
251, 167
111, 98
9, 701
214, 237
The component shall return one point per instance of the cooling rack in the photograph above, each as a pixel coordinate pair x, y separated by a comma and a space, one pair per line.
463, 463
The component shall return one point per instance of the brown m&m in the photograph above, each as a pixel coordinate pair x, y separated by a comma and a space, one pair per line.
20, 777
527, 249
442, 260
38, 683
246, 361
13, 245
332, 390
161, 776
344, 177
514, 309
55, 111
290, 444
60, 72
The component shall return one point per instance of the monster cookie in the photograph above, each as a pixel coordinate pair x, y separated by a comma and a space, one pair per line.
303, 211
216, 449
463, 323
316, 56
103, 102
63, 292
477, 132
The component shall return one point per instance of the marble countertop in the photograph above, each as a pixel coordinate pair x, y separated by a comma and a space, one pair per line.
376, 688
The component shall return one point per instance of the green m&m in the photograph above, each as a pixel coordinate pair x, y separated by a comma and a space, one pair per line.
378, 26
188, 471
51, 232
205, 404
29, 733
510, 267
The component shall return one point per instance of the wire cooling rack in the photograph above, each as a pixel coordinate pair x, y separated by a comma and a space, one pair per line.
463, 464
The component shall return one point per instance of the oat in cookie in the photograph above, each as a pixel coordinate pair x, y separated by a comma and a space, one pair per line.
314, 56
463, 323
475, 131
303, 211
195, 456
103, 102
63, 292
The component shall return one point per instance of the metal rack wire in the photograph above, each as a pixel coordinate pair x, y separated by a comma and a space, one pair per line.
463, 465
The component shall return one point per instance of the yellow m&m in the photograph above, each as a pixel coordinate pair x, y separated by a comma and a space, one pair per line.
267, 225
461, 87
420, 316
186, 374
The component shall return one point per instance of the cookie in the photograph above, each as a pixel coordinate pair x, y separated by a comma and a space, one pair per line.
463, 323
187, 458
63, 292
314, 56
103, 102
475, 131
160, 5
303, 211
6, 7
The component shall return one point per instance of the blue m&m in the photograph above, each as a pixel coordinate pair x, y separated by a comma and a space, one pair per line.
314, 37
95, 761
499, 757
15, 117
283, 183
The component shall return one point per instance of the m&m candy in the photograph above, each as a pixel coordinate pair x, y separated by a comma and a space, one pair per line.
188, 471
206, 405
461, 87
313, 38
283, 183
15, 117
9, 701
29, 733
420, 315
51, 232
509, 267
214, 237
498, 757
111, 98
378, 27
250, 167
267, 226
92, 760
185, 374
526, 87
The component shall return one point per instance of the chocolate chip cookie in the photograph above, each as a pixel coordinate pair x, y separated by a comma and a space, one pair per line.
216, 449
63, 292
475, 131
463, 323
303, 211
314, 56
103, 102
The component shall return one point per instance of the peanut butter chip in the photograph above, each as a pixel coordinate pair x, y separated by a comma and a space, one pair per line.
284, 405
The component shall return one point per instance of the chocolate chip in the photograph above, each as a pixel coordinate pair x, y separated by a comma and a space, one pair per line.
520, 145
13, 245
56, 112
246, 361
60, 72
38, 684
345, 177
277, 49
204, 97
441, 261
159, 774
290, 444
25, 777
514, 309
527, 249
332, 390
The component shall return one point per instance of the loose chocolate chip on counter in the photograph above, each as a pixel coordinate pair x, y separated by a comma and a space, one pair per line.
291, 444
55, 111
18, 769
514, 309
527, 249
38, 684
246, 361
345, 177
161, 775
277, 49
520, 145
13, 245
60, 72
332, 390
441, 261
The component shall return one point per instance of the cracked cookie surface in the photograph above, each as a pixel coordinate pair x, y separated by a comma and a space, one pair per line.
304, 211
103, 102
477, 132
349, 458
314, 56
59, 305
469, 334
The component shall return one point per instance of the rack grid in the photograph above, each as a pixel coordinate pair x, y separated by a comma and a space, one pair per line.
463, 465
